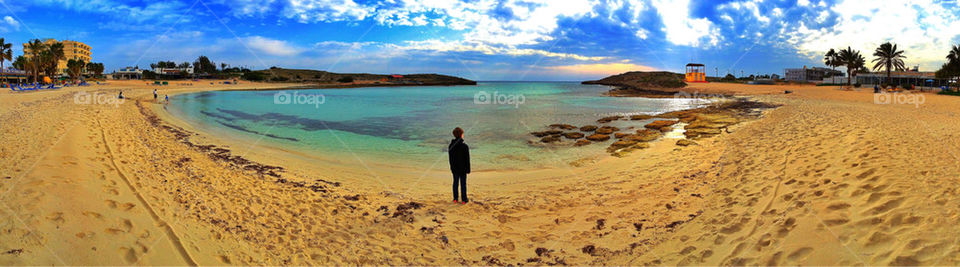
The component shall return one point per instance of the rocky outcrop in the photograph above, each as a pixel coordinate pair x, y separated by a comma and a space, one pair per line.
685, 142
707, 125
607, 130
546, 133
581, 142
658, 124
573, 135
563, 126
646, 84
598, 137
609, 119
550, 139
588, 128
640, 117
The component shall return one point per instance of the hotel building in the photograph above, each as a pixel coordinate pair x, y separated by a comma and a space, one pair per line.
71, 50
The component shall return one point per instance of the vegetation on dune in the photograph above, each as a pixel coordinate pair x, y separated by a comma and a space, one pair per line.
643, 80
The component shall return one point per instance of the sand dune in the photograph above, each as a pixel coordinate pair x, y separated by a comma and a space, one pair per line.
829, 178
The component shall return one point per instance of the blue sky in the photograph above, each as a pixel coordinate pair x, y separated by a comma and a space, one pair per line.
489, 40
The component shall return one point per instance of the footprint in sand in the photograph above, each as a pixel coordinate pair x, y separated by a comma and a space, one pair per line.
129, 255
83, 235
92, 214
799, 254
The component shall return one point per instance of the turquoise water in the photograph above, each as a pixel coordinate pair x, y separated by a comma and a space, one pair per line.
410, 126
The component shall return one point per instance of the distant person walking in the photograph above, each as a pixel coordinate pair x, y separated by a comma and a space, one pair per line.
460, 165
154, 95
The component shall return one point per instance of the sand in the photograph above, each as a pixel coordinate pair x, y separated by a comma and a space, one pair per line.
829, 178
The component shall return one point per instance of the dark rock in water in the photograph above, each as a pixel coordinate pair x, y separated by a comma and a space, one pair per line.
550, 139
645, 135
620, 135
640, 117
563, 126
609, 119
659, 124
546, 133
573, 135
607, 130
598, 137
685, 142
581, 142
588, 128
666, 129
621, 144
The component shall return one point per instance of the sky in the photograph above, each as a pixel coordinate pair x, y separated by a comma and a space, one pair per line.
535, 40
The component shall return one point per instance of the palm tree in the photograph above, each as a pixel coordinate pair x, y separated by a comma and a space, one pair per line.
56, 54
36, 47
954, 62
887, 56
830, 59
5, 54
74, 67
853, 61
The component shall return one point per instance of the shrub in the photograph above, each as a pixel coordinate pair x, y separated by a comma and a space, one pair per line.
254, 76
347, 79
279, 79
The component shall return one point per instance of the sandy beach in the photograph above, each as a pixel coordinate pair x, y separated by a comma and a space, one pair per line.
828, 178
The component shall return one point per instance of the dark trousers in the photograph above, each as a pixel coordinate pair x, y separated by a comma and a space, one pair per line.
460, 180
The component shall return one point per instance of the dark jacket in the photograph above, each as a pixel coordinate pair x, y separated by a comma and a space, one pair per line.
459, 156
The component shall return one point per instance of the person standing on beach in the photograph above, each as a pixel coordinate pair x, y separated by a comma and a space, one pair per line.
459, 154
154, 95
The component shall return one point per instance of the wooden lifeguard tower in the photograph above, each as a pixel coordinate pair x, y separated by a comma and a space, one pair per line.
696, 73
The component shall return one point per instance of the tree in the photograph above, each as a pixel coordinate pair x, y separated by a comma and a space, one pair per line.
832, 60
74, 68
853, 61
96, 68
887, 56
20, 63
204, 65
6, 53
36, 47
952, 68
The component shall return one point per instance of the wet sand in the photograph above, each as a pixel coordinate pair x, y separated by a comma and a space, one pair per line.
828, 178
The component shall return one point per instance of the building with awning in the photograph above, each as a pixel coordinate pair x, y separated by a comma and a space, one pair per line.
902, 79
12, 75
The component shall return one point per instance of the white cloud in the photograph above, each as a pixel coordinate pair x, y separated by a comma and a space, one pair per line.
472, 46
680, 28
803, 2
9, 24
752, 7
326, 10
924, 29
642, 33
270, 46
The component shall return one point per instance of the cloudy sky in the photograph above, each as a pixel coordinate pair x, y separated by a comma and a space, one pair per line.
489, 40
